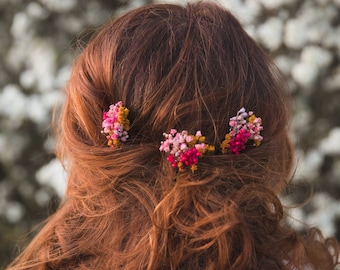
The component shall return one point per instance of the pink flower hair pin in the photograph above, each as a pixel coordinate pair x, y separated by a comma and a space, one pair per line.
184, 149
244, 126
116, 124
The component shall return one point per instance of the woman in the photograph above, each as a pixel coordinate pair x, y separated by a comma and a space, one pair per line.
144, 192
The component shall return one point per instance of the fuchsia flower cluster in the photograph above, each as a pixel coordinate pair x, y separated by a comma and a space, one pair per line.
244, 126
184, 149
116, 124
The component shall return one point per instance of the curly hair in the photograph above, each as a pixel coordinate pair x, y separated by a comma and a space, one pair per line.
185, 67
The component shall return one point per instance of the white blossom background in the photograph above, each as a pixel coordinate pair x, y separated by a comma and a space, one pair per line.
38, 42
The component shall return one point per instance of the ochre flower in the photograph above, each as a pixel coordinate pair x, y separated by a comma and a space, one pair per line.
116, 124
184, 149
244, 126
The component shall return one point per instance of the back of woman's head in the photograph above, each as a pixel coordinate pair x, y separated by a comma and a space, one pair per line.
177, 67
190, 68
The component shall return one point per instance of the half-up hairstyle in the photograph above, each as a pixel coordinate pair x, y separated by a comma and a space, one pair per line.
190, 68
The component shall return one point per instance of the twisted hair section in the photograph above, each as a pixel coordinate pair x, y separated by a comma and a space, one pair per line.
185, 67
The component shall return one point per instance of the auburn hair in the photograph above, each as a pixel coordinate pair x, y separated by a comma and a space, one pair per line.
187, 67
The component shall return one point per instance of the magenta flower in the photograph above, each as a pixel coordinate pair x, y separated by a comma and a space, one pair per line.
184, 149
116, 124
244, 126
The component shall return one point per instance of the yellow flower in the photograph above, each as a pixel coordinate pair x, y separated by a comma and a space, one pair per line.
201, 139
257, 142
252, 118
122, 118
193, 168
209, 148
195, 140
225, 143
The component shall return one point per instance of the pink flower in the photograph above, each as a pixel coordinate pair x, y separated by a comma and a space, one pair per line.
243, 127
184, 149
115, 124
238, 143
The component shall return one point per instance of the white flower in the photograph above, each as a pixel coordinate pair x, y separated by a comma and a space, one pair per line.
60, 5
332, 82
316, 56
53, 174
270, 33
14, 211
285, 63
309, 165
36, 109
331, 144
295, 35
275, 4
326, 211
36, 11
21, 24
13, 104
305, 74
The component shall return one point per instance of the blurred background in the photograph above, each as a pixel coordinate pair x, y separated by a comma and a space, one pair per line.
39, 41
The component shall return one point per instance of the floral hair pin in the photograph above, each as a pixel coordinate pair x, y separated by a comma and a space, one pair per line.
184, 149
116, 124
244, 126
